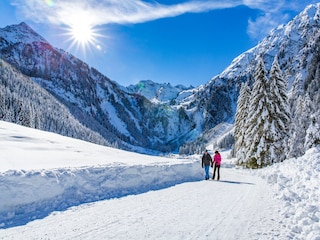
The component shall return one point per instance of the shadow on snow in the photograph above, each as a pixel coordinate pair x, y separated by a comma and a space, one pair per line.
234, 182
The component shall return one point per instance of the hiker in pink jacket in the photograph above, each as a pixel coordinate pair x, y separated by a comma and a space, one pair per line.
217, 162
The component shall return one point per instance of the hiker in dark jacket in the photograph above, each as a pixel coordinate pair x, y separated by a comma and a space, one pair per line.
206, 162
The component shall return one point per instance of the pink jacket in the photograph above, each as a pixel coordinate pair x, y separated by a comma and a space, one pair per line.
217, 159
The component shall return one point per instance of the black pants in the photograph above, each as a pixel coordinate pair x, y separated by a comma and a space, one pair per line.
216, 167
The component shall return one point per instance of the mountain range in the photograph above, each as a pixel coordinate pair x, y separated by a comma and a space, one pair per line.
146, 117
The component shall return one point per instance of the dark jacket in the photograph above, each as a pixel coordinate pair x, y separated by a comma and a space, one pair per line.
206, 159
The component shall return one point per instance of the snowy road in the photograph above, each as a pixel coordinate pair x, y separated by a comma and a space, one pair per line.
240, 206
43, 174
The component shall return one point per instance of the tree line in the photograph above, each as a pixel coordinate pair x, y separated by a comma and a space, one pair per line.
24, 102
268, 127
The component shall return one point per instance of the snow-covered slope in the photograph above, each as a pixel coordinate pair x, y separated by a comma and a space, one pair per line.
296, 182
26, 103
293, 43
43, 174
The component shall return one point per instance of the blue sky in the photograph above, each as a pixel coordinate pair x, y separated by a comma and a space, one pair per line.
175, 41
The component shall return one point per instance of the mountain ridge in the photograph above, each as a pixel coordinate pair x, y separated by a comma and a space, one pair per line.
165, 118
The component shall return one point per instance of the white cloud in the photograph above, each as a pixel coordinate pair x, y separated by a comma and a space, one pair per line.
95, 12
262, 25
111, 11
275, 12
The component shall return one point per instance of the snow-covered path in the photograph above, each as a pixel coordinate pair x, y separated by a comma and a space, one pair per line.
239, 206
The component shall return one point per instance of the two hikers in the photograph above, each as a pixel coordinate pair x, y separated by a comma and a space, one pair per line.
207, 161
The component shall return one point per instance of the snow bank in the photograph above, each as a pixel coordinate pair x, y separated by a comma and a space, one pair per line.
42, 172
28, 195
296, 182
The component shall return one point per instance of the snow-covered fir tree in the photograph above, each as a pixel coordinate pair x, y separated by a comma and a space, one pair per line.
280, 115
313, 134
302, 113
240, 124
257, 143
265, 131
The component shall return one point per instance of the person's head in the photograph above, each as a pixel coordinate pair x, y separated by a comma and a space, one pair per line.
216, 152
206, 151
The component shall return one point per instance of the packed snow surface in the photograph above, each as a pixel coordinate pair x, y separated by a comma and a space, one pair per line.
53, 187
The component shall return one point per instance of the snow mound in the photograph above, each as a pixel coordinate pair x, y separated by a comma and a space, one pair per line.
43, 172
296, 183
29, 195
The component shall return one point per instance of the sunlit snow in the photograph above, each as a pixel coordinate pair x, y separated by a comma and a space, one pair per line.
54, 187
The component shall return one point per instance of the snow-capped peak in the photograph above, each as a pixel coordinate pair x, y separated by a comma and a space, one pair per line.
21, 33
289, 38
158, 92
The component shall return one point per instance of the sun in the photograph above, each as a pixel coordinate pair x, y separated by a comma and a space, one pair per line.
82, 33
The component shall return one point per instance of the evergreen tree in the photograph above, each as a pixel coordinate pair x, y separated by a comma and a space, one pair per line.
313, 134
260, 107
240, 124
300, 123
2, 102
280, 113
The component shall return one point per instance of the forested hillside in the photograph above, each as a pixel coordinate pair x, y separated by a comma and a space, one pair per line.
23, 102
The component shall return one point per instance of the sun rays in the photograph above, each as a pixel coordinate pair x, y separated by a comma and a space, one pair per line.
82, 34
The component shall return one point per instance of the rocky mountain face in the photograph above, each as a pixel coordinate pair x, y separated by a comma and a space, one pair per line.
123, 118
158, 92
160, 117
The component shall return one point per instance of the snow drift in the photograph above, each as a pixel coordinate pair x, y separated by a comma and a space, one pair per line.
44, 172
296, 183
